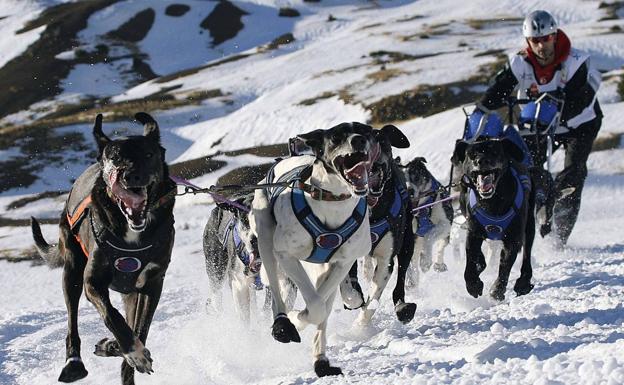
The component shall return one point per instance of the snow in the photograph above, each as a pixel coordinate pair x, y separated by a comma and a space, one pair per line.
569, 330
14, 14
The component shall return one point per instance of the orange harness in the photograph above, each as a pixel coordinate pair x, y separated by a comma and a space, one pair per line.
78, 215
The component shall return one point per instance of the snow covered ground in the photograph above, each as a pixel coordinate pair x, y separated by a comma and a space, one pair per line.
569, 330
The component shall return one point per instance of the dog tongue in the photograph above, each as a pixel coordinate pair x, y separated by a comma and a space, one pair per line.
129, 198
484, 182
358, 175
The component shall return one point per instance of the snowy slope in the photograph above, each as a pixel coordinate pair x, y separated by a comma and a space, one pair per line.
569, 330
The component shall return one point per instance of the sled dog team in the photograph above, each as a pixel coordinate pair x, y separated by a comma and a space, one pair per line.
341, 195
301, 231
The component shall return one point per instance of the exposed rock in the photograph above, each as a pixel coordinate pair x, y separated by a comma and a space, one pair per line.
177, 10
224, 22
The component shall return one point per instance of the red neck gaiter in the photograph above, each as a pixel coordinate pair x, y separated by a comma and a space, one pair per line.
562, 50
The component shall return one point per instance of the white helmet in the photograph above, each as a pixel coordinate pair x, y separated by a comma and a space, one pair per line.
539, 23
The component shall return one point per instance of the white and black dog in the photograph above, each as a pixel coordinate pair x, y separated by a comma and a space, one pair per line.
432, 224
391, 233
314, 229
498, 202
231, 252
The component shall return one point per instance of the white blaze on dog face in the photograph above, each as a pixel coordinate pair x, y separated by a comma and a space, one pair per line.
418, 177
347, 150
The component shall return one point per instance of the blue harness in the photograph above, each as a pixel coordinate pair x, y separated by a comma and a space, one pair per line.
326, 241
423, 216
239, 248
495, 226
381, 227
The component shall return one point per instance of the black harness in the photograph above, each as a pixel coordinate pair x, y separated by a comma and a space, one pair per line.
127, 259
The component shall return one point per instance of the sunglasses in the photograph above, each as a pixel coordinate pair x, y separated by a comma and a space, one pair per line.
542, 39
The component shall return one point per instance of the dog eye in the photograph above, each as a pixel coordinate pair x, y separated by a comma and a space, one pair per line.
149, 155
336, 138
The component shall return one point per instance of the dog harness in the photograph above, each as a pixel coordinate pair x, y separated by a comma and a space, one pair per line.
127, 259
326, 241
423, 216
495, 226
231, 230
379, 229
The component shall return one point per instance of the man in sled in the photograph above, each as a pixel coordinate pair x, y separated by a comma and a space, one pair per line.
548, 64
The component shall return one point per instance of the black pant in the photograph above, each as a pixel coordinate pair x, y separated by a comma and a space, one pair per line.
577, 144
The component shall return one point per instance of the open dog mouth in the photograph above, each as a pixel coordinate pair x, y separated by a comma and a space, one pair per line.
132, 202
485, 182
376, 183
354, 168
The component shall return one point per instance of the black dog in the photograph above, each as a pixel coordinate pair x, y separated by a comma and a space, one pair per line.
116, 232
498, 203
391, 232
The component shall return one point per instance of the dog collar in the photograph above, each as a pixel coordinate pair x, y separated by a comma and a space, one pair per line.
320, 194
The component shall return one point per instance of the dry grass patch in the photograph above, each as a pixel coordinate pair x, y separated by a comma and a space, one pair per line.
385, 74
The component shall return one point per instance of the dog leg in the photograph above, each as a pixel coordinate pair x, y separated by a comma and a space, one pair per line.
413, 273
108, 347
322, 367
351, 291
425, 255
242, 298
263, 225
404, 311
523, 284
132, 348
442, 238
475, 264
439, 266
74, 368
139, 357
368, 268
380, 280
508, 257
314, 313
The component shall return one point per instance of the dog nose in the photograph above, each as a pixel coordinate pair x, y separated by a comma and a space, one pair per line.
133, 178
358, 142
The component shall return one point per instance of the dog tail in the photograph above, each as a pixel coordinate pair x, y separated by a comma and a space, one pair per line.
50, 253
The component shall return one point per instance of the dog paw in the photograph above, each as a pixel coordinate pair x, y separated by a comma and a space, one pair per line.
139, 357
425, 264
351, 293
523, 286
405, 311
440, 267
284, 331
73, 370
107, 348
475, 288
322, 368
498, 291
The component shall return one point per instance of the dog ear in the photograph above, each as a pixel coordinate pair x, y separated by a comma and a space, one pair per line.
420, 159
460, 151
150, 127
101, 139
314, 140
512, 150
396, 137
